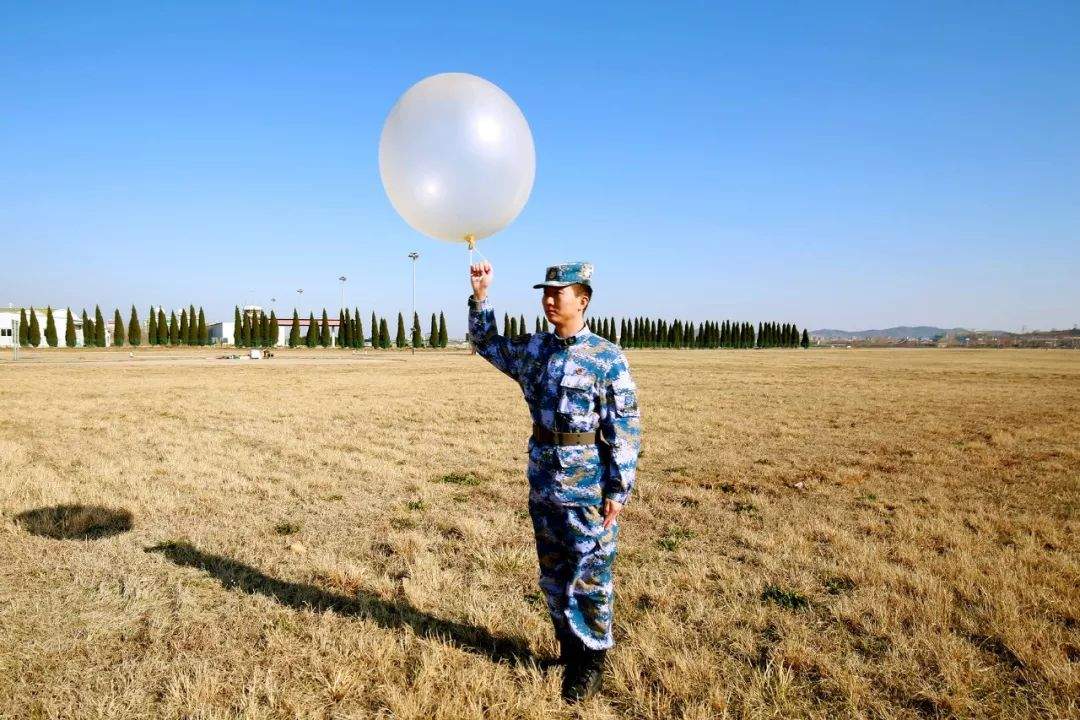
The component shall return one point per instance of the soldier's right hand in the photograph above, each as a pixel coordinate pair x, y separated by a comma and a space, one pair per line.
481, 275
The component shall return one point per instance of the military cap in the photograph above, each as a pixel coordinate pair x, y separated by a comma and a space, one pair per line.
567, 274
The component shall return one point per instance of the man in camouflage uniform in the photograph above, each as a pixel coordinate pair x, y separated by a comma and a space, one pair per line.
582, 457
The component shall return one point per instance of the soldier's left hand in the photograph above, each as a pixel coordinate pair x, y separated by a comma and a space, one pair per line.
612, 508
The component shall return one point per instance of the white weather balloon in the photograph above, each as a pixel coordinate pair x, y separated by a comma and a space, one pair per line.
456, 157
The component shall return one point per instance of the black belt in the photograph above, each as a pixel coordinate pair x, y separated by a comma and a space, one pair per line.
552, 437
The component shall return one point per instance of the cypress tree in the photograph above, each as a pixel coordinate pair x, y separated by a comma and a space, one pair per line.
604, 328
99, 327
24, 329
506, 326
312, 337
433, 338
417, 335
521, 324
134, 329
118, 329
399, 340
359, 334
238, 327
443, 340
751, 339
35, 329
384, 335
324, 330
151, 328
344, 328
50, 328
162, 327
202, 330
294, 331
264, 329
513, 328
174, 329
275, 331
87, 330
183, 326
69, 336
245, 329
544, 327
192, 337
537, 330
374, 331
69, 330
805, 339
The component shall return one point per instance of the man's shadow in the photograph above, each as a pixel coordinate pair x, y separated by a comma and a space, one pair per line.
388, 614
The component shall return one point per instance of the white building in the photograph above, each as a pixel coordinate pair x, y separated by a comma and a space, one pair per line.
9, 319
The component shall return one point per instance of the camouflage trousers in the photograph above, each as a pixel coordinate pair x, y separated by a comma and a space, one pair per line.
576, 554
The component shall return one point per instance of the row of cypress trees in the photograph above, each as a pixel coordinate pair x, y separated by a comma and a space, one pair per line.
187, 329
93, 330
260, 330
651, 333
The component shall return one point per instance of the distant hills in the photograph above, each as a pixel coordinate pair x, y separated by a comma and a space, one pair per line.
917, 332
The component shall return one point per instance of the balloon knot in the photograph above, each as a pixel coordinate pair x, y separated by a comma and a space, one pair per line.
471, 241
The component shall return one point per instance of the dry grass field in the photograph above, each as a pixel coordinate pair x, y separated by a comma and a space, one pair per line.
880, 534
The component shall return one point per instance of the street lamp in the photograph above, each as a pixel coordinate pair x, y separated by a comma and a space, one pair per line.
414, 256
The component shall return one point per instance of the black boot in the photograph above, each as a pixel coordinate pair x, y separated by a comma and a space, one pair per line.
569, 648
583, 678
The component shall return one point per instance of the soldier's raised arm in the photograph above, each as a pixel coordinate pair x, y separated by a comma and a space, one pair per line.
502, 352
620, 425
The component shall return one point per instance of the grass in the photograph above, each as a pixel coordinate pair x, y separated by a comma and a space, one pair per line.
840, 534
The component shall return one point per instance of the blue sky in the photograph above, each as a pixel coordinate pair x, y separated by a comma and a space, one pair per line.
846, 165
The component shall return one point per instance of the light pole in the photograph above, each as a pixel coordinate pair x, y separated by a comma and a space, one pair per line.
15, 339
341, 310
414, 256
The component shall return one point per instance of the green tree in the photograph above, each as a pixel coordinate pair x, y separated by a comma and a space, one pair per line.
69, 330
151, 328
312, 338
35, 329
238, 327
174, 329
162, 327
417, 335
24, 329
506, 325
245, 329
264, 329
805, 339
99, 327
325, 338
513, 328
134, 330
118, 334
359, 334
50, 328
87, 330
443, 341
202, 331
544, 326
433, 338
344, 328
294, 331
399, 339
183, 326
384, 335
374, 331
275, 331
192, 336
521, 325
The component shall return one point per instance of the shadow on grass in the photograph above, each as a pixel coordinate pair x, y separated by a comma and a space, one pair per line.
75, 522
388, 614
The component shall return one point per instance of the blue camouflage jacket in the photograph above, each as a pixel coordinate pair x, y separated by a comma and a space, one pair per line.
576, 384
